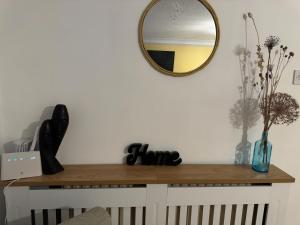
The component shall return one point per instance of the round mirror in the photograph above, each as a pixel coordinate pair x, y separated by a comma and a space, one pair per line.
179, 37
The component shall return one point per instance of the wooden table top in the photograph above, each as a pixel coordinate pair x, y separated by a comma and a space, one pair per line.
184, 174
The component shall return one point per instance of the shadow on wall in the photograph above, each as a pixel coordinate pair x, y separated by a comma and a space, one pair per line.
28, 133
245, 112
244, 115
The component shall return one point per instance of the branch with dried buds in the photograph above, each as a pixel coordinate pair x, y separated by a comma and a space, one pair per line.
276, 108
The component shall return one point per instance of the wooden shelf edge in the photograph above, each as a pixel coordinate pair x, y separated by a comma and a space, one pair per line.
105, 174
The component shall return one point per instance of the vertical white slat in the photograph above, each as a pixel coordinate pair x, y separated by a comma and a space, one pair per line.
64, 214
52, 216
77, 212
18, 207
205, 218
238, 214
217, 214
172, 215
114, 216
272, 212
182, 215
249, 215
278, 204
139, 215
227, 216
38, 217
126, 216
194, 215
260, 214
156, 200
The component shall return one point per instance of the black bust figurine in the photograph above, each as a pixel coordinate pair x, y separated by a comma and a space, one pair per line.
51, 135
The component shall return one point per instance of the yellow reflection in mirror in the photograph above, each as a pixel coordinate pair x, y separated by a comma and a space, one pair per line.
187, 57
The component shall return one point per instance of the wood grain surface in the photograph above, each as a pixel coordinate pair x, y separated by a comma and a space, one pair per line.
138, 174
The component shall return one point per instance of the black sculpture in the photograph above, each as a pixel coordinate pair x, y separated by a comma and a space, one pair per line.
51, 135
138, 150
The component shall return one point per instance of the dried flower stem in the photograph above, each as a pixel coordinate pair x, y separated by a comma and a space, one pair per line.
270, 101
257, 34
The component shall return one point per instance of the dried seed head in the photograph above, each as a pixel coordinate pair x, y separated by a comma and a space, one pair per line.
271, 42
284, 109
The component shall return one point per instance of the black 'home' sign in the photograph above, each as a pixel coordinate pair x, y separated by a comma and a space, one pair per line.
138, 150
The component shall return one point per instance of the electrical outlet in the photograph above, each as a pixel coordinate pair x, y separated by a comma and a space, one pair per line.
296, 79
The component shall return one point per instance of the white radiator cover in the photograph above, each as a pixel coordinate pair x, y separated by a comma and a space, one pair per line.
154, 204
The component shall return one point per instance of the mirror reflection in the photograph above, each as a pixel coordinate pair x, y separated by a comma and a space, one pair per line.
178, 36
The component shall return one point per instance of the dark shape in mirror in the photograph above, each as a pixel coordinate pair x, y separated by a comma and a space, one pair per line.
165, 59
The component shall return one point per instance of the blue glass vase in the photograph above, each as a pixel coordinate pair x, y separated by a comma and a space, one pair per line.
262, 154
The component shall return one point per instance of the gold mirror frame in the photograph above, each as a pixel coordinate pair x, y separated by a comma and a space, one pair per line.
167, 72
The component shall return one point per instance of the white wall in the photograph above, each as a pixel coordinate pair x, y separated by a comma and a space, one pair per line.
85, 54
